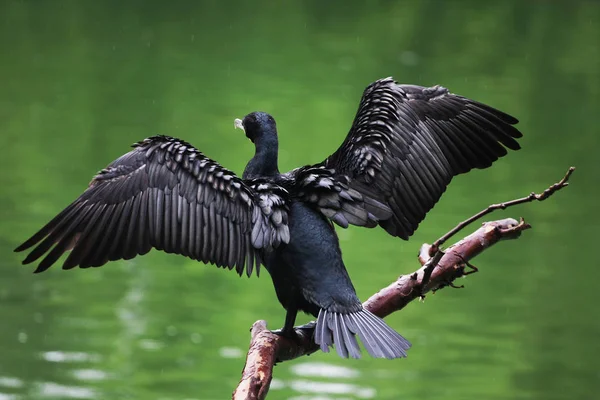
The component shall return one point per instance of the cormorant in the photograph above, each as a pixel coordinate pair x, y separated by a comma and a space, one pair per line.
405, 145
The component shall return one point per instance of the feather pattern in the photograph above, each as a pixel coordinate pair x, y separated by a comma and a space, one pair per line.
340, 330
167, 195
332, 195
407, 142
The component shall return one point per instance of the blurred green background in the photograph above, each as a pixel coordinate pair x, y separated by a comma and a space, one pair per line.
82, 80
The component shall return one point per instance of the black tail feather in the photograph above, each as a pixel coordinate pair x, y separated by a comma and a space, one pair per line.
379, 339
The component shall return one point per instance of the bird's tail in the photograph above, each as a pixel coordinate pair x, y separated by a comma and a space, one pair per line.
379, 339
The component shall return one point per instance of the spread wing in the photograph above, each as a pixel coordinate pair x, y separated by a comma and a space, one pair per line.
167, 195
407, 142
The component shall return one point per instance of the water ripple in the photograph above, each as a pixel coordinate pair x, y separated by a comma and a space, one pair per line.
52, 389
324, 370
70, 356
231, 352
306, 386
89, 374
10, 382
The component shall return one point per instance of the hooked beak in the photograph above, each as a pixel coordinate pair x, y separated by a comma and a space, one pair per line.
237, 123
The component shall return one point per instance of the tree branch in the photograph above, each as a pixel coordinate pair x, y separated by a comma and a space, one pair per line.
502, 206
439, 269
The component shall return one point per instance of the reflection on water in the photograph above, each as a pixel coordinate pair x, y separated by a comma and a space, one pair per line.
89, 374
10, 382
333, 382
68, 357
231, 352
54, 390
321, 369
333, 388
51, 390
150, 344
83, 80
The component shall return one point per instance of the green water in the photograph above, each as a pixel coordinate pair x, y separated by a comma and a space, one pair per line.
81, 80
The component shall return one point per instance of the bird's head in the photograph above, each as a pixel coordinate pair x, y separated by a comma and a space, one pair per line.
256, 125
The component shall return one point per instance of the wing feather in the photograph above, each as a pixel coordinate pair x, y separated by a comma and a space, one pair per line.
96, 221
333, 197
407, 142
167, 195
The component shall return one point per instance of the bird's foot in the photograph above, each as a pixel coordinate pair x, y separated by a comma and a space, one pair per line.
464, 263
306, 330
298, 333
287, 333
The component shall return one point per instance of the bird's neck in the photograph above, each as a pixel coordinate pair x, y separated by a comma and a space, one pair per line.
264, 162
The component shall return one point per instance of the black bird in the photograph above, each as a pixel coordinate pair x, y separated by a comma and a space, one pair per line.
405, 145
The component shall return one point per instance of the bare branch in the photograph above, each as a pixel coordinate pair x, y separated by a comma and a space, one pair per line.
450, 266
502, 206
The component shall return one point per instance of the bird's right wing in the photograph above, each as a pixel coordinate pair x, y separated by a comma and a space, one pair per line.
167, 195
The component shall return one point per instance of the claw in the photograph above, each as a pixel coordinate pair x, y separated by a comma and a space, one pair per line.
286, 334
473, 268
468, 264
297, 333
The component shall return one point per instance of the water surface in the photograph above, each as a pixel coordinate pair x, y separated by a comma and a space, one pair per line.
82, 80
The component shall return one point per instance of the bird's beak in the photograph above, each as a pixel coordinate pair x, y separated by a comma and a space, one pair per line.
237, 123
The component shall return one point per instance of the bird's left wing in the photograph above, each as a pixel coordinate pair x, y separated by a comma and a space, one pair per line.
407, 142
167, 195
